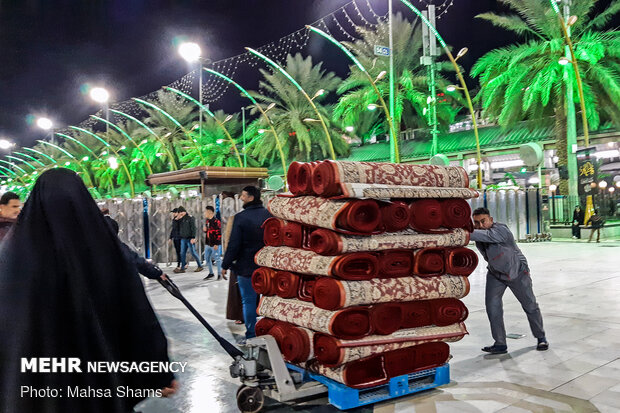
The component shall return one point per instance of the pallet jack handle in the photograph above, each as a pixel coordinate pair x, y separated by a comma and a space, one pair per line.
172, 288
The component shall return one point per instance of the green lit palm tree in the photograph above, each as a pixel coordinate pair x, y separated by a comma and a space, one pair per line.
526, 81
294, 119
173, 135
411, 88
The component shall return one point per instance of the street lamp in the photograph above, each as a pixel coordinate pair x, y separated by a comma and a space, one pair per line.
6, 144
44, 123
192, 54
372, 106
101, 95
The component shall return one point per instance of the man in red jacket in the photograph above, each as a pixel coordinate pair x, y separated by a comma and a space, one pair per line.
10, 206
213, 242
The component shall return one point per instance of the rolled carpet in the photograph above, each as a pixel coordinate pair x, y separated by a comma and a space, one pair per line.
273, 231
349, 323
456, 213
354, 266
328, 176
395, 215
295, 343
429, 262
438, 312
306, 287
381, 191
332, 352
294, 234
299, 177
358, 216
263, 281
326, 242
460, 261
332, 294
426, 215
286, 284
380, 368
395, 263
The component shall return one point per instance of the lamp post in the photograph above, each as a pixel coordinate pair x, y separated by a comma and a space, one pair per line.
46, 124
453, 60
552, 189
192, 54
101, 95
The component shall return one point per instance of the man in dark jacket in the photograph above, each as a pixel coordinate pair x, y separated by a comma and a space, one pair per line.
109, 220
507, 268
245, 240
10, 206
187, 233
213, 242
578, 216
175, 239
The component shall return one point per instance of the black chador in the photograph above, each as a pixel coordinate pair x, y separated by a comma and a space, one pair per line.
67, 292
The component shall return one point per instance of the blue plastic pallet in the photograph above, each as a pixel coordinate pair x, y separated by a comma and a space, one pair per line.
344, 397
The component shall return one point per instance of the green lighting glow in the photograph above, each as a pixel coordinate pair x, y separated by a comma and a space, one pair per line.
428, 23
57, 147
8, 171
160, 110
29, 157
555, 7
339, 45
191, 99
89, 133
34, 168
278, 67
72, 139
14, 166
232, 82
41, 153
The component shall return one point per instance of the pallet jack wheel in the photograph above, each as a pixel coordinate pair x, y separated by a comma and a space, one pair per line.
250, 399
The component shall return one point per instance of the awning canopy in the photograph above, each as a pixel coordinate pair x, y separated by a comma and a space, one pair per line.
209, 175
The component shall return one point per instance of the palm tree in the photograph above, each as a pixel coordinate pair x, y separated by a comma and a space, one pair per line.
526, 81
411, 88
294, 119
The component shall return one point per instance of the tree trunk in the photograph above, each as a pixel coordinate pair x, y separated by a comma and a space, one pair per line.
561, 147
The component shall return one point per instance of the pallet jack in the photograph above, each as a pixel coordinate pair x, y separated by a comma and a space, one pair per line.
261, 369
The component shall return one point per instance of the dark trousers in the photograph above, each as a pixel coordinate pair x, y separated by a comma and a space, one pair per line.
598, 234
177, 248
576, 231
521, 287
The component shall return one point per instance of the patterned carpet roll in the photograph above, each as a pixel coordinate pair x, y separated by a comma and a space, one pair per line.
379, 369
438, 312
349, 323
306, 287
361, 321
326, 242
395, 263
332, 294
429, 262
263, 281
456, 214
355, 266
332, 352
328, 176
395, 216
380, 191
293, 234
295, 343
460, 261
425, 215
353, 216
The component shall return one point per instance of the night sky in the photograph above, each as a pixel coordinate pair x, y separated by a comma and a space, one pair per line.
50, 48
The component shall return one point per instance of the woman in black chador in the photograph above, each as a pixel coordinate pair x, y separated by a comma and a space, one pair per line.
66, 291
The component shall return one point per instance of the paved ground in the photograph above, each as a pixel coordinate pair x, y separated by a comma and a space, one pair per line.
577, 284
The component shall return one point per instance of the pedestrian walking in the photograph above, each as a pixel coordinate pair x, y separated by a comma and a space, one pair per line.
187, 234
507, 268
578, 217
174, 237
72, 293
597, 222
213, 242
245, 240
10, 206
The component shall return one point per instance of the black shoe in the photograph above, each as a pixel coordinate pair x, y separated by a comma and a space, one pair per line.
543, 344
496, 349
208, 277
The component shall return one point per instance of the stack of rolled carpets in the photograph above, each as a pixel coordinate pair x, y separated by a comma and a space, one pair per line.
363, 290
